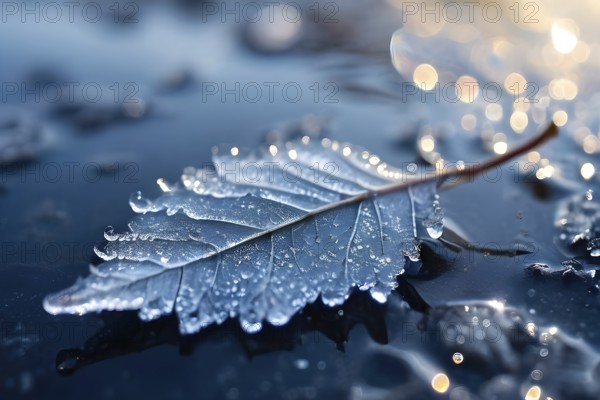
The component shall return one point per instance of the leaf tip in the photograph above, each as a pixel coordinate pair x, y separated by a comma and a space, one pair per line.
54, 303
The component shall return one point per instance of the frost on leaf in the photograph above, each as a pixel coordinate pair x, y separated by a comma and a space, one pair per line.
259, 236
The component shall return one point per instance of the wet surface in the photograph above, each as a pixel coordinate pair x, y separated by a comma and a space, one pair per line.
70, 164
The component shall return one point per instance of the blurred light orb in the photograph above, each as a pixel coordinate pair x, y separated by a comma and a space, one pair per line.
427, 143
581, 52
500, 143
534, 393
425, 77
533, 156
519, 121
562, 89
537, 375
560, 117
531, 328
515, 83
467, 89
440, 383
273, 150
274, 30
493, 112
468, 122
496, 305
500, 147
564, 33
134, 109
591, 144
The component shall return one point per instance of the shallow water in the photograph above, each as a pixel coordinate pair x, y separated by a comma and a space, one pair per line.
92, 155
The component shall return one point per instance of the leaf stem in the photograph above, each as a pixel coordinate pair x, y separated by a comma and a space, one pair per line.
462, 173
550, 132
466, 173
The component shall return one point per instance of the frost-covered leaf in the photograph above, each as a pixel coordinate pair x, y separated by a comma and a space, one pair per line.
260, 235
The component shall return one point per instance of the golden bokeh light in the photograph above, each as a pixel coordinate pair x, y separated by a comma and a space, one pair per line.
591, 144
500, 148
493, 112
273, 150
440, 383
534, 393
581, 52
565, 33
467, 89
533, 156
515, 83
427, 143
425, 77
562, 89
519, 121
468, 122
500, 143
588, 171
560, 117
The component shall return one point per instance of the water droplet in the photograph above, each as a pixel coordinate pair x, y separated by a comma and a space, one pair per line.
378, 295
458, 358
109, 234
536, 375
435, 221
435, 231
251, 327
594, 247
163, 184
531, 328
138, 203
414, 255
